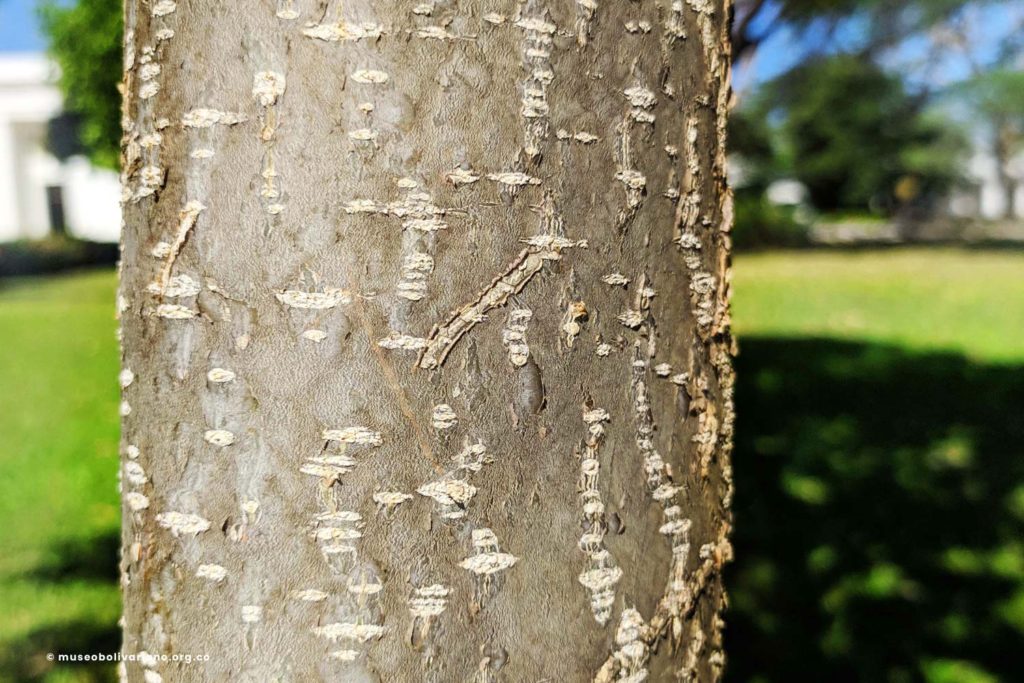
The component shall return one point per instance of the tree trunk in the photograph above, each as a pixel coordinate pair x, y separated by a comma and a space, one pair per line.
1004, 147
426, 340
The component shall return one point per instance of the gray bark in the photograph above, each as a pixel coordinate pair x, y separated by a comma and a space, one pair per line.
426, 361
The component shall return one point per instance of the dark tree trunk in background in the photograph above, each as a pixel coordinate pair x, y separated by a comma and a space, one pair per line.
426, 340
1005, 146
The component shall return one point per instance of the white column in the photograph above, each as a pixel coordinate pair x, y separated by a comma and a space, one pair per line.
10, 224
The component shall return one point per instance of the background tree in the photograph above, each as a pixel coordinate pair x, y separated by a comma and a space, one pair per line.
85, 41
426, 341
858, 140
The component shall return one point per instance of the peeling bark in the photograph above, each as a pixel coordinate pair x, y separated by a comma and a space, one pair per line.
426, 348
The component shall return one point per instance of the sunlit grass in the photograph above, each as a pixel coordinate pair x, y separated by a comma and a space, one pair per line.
961, 300
58, 464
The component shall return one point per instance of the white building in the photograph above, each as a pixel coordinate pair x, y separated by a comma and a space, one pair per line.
36, 189
986, 197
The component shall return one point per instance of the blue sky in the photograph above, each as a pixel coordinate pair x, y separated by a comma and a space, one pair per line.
19, 27
20, 32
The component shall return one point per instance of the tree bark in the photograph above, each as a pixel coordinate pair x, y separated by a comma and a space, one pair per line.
1004, 148
426, 364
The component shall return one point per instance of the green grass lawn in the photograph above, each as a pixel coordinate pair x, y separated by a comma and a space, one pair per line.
59, 510
967, 301
880, 490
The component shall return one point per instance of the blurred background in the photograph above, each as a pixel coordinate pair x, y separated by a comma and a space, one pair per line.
877, 154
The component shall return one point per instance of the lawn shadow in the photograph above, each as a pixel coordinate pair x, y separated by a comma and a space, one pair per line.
879, 506
92, 558
77, 560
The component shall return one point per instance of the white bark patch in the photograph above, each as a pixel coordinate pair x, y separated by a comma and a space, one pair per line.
687, 237
182, 523
535, 110
175, 312
206, 118
427, 604
462, 176
514, 336
308, 595
329, 467
365, 585
443, 417
267, 89
354, 435
640, 26
452, 494
187, 218
267, 86
251, 614
149, 89
349, 631
370, 76
631, 319
135, 474
329, 298
389, 500
218, 437
615, 279
488, 559
585, 12
343, 31
675, 27
345, 655
136, 501
315, 336
415, 269
434, 33
662, 489
212, 572
429, 601
220, 375
363, 135
472, 457
574, 314
162, 8
286, 10
703, 289
151, 178
179, 286
404, 342
629, 661
513, 179
494, 18
602, 573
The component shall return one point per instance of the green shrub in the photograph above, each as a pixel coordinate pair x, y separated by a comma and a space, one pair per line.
54, 253
761, 224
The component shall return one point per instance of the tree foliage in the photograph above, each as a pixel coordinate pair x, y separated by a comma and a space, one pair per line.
85, 41
854, 136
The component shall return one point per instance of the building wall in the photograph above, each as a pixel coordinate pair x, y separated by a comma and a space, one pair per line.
28, 100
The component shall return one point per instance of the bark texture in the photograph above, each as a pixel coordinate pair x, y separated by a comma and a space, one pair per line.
426, 340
